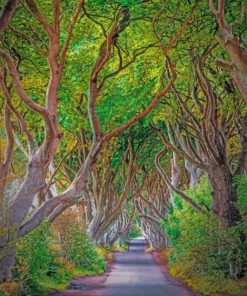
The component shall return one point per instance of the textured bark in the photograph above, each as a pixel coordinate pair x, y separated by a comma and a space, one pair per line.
237, 54
175, 174
33, 183
236, 51
194, 172
169, 184
7, 264
71, 194
224, 196
6, 164
93, 228
6, 14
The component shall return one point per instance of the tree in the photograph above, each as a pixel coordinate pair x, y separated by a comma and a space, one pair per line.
237, 52
7, 13
212, 131
41, 157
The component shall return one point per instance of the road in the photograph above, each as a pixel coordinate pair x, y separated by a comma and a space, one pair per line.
136, 273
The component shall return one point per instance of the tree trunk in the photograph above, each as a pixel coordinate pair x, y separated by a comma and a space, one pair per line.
33, 183
7, 264
94, 226
224, 196
194, 172
237, 53
175, 174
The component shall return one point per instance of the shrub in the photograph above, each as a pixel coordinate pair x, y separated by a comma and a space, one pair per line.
78, 248
49, 257
37, 260
198, 249
105, 251
76, 245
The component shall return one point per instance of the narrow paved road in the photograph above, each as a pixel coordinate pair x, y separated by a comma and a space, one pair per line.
136, 273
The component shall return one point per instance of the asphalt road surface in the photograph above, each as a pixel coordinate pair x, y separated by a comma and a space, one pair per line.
136, 273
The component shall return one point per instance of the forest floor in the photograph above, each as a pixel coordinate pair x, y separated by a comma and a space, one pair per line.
134, 273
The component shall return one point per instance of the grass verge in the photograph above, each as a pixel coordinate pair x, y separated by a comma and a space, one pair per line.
208, 286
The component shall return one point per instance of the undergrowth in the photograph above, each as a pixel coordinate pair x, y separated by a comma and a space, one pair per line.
200, 254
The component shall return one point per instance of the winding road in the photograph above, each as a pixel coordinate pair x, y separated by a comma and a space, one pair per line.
134, 273
137, 273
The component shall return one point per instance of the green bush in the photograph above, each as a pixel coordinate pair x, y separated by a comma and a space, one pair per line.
197, 247
37, 261
43, 261
78, 247
241, 182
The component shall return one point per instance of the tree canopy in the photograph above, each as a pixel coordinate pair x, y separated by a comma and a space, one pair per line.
124, 106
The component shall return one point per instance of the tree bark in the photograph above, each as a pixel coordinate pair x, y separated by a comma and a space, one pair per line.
175, 174
236, 51
7, 264
224, 196
194, 172
7, 14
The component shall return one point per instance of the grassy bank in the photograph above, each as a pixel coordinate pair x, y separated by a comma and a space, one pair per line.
208, 286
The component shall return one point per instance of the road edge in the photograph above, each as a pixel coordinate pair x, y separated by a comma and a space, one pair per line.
170, 278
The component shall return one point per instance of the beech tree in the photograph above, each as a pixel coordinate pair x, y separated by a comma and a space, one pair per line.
119, 230
212, 131
231, 43
41, 156
106, 199
152, 203
117, 109
7, 13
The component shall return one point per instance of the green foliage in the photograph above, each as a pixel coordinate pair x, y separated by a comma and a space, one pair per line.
134, 232
42, 263
242, 195
124, 3
38, 260
197, 246
75, 244
78, 248
199, 249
